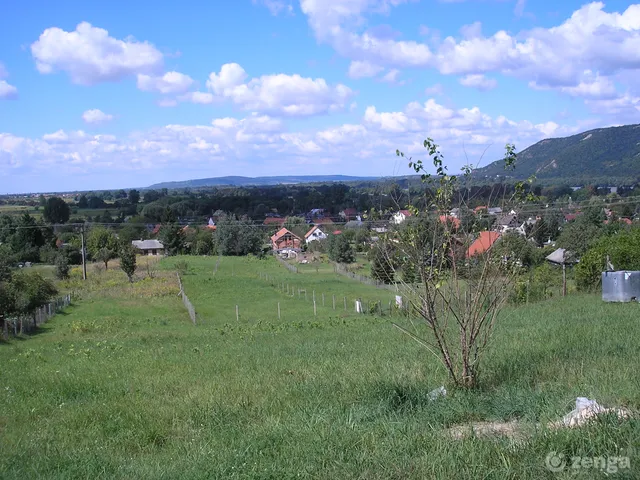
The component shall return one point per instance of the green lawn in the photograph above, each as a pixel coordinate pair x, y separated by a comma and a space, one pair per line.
124, 386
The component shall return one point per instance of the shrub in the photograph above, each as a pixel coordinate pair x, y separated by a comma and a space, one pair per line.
623, 250
62, 267
182, 267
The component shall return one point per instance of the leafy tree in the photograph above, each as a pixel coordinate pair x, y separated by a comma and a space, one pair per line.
172, 237
30, 292
94, 202
516, 248
204, 244
238, 236
459, 325
131, 232
151, 196
102, 245
134, 196
382, 264
120, 194
623, 250
83, 202
28, 237
62, 267
578, 236
340, 250
128, 255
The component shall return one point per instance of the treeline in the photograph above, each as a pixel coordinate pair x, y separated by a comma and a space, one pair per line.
258, 202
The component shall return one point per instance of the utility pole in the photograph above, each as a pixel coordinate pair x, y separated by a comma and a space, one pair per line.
84, 263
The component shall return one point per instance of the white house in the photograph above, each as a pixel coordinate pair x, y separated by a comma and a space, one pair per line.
315, 234
400, 216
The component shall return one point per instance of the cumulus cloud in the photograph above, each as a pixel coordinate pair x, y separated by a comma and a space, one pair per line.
479, 81
591, 39
280, 94
260, 142
170, 82
90, 56
96, 116
7, 91
363, 69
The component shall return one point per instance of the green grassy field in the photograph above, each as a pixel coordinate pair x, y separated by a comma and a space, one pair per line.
123, 385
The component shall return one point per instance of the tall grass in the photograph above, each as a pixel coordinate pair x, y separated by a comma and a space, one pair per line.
124, 386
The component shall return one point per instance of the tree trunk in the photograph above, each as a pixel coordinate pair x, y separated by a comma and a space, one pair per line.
106, 266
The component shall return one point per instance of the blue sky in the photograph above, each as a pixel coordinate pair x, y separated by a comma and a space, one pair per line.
97, 95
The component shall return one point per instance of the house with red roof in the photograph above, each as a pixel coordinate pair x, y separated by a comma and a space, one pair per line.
400, 216
283, 238
450, 220
483, 243
314, 234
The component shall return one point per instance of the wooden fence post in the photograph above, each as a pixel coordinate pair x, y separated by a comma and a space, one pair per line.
323, 299
334, 302
278, 310
237, 314
315, 312
345, 303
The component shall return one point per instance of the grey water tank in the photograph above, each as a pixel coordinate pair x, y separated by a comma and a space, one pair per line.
621, 286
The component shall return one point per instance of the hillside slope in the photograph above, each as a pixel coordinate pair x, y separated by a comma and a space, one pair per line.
239, 181
612, 152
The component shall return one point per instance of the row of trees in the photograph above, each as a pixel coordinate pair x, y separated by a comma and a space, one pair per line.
21, 294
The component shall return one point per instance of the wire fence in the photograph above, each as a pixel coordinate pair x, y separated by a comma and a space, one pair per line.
291, 268
397, 306
342, 270
28, 324
187, 303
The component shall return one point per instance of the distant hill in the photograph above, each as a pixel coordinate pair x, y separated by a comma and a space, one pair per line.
604, 153
247, 181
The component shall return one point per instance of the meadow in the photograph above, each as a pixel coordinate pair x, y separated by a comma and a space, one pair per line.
123, 385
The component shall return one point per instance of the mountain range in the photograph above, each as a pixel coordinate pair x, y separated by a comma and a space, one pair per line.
603, 155
253, 181
611, 153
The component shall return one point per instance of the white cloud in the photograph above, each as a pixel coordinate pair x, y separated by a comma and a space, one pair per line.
556, 57
358, 69
391, 76
334, 22
90, 56
591, 86
479, 81
96, 116
519, 8
202, 98
280, 94
170, 82
435, 89
7, 91
262, 144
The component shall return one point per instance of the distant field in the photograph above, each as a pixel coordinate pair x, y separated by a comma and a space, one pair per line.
124, 386
37, 211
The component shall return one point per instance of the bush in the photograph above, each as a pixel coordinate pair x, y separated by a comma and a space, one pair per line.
62, 267
182, 267
623, 251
